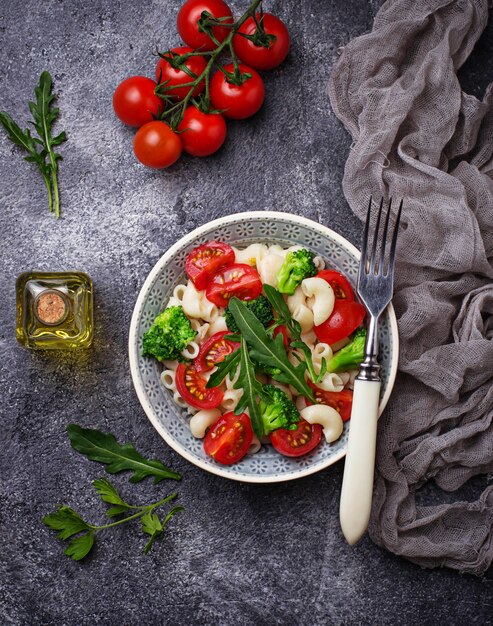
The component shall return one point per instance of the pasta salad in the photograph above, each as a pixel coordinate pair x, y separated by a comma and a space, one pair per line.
261, 345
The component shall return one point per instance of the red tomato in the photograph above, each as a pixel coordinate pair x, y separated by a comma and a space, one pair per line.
188, 27
214, 350
339, 283
228, 440
284, 331
156, 145
238, 279
296, 442
341, 401
135, 102
192, 388
168, 72
237, 101
346, 316
203, 133
203, 262
262, 56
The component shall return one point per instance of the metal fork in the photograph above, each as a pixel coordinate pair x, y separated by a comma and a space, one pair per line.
375, 287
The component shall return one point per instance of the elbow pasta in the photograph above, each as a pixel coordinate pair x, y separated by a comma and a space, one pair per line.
327, 417
311, 305
202, 420
319, 298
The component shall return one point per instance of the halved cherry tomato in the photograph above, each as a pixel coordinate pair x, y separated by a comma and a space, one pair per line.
175, 75
346, 316
229, 438
190, 30
239, 280
341, 401
339, 283
203, 261
192, 388
284, 331
214, 350
297, 442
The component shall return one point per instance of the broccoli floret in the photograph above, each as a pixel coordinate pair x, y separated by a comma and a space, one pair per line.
280, 412
297, 266
351, 355
260, 307
168, 335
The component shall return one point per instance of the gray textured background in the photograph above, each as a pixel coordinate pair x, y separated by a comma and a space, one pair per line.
240, 554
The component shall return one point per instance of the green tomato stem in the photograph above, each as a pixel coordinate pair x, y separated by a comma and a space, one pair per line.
213, 55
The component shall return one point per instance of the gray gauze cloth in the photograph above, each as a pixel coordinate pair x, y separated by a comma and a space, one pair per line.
417, 136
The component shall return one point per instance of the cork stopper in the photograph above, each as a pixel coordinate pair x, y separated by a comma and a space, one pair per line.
50, 307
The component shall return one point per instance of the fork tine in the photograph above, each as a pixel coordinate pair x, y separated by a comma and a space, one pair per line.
394, 238
381, 260
364, 243
373, 258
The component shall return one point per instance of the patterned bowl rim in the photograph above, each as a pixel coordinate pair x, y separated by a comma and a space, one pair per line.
134, 354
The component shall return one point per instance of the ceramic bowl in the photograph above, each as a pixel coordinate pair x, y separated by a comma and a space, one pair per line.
168, 419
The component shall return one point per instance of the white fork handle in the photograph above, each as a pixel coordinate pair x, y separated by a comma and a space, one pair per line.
357, 484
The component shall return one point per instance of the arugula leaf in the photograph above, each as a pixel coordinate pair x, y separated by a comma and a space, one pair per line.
104, 448
67, 521
152, 526
252, 389
277, 302
80, 547
228, 365
45, 158
267, 351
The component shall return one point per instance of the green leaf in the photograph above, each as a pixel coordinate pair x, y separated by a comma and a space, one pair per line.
108, 493
277, 302
228, 365
104, 448
114, 511
267, 351
252, 389
67, 521
80, 547
152, 526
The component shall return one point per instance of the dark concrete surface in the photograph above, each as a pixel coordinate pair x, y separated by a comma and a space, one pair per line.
240, 554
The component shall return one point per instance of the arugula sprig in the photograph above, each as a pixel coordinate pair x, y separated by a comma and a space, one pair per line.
104, 448
68, 522
268, 351
40, 148
284, 318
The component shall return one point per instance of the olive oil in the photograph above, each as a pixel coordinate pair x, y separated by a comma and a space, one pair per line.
54, 310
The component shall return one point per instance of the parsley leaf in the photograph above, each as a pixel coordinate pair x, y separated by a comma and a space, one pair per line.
67, 521
152, 526
80, 547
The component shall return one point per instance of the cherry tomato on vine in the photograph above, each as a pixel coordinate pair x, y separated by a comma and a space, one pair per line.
229, 438
188, 27
238, 279
214, 350
237, 101
203, 133
297, 442
204, 260
135, 102
192, 388
266, 53
341, 401
156, 145
167, 71
346, 316
339, 283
